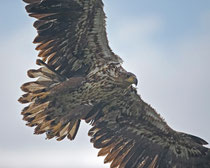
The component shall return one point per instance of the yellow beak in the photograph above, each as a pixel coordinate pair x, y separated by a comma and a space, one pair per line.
132, 80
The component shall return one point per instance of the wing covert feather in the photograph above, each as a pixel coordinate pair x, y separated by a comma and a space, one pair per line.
132, 135
71, 35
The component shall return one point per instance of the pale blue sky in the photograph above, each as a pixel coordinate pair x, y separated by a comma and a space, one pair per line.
166, 43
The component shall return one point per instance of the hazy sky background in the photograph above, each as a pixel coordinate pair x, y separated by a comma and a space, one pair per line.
166, 43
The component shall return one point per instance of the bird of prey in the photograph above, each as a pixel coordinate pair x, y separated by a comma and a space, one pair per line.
80, 78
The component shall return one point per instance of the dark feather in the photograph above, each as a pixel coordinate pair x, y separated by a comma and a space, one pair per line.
58, 22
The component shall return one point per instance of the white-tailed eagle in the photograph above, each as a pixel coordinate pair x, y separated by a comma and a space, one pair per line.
80, 78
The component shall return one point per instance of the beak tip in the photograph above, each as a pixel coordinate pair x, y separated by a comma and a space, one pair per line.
136, 82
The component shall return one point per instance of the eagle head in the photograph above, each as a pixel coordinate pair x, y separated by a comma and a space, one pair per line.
128, 78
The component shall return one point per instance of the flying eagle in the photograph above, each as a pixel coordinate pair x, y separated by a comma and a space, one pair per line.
80, 78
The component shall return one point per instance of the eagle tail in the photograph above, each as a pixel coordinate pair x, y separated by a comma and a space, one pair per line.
42, 86
43, 111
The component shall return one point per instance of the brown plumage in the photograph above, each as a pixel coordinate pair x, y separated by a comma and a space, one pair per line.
80, 78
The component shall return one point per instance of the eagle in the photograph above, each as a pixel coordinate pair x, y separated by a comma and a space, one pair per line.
80, 78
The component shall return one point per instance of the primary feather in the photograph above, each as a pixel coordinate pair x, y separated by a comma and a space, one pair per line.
80, 78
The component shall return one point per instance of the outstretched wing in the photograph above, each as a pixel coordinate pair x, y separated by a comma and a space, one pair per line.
71, 35
132, 135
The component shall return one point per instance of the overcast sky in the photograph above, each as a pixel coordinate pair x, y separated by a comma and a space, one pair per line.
165, 43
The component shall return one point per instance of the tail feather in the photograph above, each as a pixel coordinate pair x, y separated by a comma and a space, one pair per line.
44, 111
33, 87
47, 78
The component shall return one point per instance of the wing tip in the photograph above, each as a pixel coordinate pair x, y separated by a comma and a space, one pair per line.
31, 1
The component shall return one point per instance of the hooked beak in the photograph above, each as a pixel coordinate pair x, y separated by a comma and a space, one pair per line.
133, 80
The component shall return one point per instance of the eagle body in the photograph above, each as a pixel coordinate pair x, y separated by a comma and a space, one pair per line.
80, 78
97, 87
